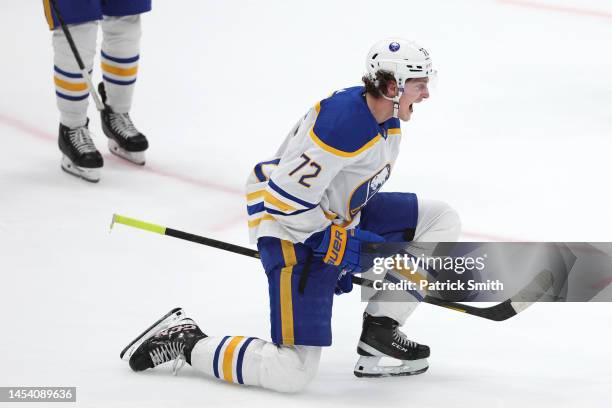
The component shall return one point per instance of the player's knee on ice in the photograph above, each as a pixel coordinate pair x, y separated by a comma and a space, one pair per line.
286, 368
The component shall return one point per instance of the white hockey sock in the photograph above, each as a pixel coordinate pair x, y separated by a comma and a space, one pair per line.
70, 87
119, 59
252, 361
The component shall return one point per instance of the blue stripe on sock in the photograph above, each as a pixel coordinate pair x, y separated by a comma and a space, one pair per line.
120, 60
285, 194
72, 98
240, 358
216, 358
117, 82
67, 74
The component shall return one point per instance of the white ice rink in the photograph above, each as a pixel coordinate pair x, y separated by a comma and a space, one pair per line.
517, 138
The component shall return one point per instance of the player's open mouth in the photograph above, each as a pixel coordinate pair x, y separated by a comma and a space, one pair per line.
410, 108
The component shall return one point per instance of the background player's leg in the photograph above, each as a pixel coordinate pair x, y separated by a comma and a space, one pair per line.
119, 60
80, 156
70, 88
251, 361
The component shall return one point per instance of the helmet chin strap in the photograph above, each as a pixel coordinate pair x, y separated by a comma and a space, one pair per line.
396, 102
395, 99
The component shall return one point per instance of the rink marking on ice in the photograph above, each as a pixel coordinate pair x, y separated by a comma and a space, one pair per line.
561, 9
40, 134
30, 130
26, 128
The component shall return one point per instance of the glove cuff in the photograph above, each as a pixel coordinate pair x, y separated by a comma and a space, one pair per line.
338, 237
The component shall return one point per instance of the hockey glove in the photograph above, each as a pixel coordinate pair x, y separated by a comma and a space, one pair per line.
345, 283
342, 247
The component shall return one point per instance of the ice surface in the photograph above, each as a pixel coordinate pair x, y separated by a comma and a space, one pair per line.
516, 138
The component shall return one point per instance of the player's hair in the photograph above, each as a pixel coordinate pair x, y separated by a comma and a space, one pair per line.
384, 78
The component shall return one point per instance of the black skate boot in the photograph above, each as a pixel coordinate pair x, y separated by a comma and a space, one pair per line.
170, 338
124, 140
80, 156
380, 338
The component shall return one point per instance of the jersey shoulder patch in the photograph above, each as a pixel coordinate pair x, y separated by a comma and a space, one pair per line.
344, 125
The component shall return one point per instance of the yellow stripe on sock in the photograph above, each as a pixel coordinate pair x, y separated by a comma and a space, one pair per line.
228, 358
285, 292
70, 86
119, 71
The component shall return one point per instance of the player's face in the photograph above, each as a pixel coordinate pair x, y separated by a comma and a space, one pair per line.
415, 90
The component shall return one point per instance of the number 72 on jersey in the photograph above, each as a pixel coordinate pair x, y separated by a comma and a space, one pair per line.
308, 169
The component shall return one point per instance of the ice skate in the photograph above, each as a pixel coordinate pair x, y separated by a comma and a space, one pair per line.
381, 338
80, 156
170, 338
124, 140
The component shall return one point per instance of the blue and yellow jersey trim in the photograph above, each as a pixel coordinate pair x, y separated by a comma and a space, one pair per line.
271, 201
344, 125
339, 152
260, 169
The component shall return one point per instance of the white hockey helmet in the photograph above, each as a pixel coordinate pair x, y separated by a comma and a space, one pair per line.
403, 58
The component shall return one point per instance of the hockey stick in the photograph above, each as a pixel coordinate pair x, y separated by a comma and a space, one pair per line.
77, 56
502, 311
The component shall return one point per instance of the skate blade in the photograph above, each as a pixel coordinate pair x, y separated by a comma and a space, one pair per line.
166, 321
88, 174
369, 367
133, 157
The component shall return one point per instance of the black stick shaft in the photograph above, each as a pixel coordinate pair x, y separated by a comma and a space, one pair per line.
237, 249
71, 43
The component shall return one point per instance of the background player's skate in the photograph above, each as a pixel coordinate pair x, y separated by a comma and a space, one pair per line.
80, 156
382, 338
124, 140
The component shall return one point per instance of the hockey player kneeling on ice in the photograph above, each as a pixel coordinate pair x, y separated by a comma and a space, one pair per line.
311, 206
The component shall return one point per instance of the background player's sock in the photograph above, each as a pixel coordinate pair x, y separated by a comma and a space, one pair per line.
119, 59
70, 87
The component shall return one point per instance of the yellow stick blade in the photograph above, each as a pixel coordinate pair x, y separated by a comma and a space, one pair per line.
132, 222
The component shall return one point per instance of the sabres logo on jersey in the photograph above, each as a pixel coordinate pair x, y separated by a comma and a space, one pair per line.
367, 189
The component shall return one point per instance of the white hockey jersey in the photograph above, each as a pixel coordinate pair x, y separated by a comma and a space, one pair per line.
331, 163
